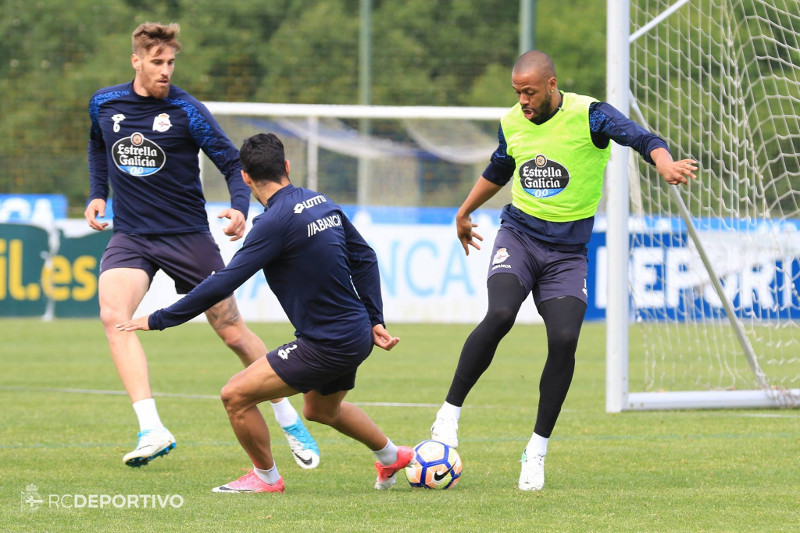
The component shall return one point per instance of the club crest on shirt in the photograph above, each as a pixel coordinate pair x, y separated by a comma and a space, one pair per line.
161, 123
137, 155
541, 177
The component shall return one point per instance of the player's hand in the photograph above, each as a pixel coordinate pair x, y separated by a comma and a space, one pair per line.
134, 324
677, 172
382, 338
464, 229
235, 228
96, 208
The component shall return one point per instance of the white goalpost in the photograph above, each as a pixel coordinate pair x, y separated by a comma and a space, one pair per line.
706, 277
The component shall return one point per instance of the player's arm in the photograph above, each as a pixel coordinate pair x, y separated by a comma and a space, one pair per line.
367, 281
499, 171
211, 291
98, 174
236, 226
94, 209
673, 172
254, 254
383, 339
210, 137
364, 270
607, 122
481, 192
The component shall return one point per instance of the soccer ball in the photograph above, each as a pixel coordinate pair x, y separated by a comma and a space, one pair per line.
436, 466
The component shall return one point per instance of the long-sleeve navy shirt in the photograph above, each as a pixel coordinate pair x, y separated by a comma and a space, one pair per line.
606, 124
147, 150
320, 268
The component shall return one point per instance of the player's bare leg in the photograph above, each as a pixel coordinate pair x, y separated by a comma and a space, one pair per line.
240, 396
350, 420
120, 291
226, 320
259, 382
344, 417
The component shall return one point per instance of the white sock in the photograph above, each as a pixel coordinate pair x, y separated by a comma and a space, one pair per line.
147, 414
270, 476
448, 410
387, 455
285, 413
537, 445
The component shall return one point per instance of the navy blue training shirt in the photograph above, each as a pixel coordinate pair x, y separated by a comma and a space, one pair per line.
320, 268
147, 149
606, 124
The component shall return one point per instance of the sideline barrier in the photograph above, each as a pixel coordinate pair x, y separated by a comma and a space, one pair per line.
51, 270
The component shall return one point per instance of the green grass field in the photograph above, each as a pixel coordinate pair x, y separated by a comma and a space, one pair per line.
65, 427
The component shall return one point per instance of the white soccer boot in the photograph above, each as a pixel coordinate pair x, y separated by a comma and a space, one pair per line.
445, 429
152, 443
531, 477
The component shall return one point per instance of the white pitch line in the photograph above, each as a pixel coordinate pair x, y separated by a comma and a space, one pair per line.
106, 392
371, 404
766, 415
184, 396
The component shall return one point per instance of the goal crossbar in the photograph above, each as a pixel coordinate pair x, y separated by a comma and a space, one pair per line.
355, 111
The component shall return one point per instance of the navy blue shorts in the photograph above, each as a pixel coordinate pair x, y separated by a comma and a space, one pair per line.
307, 365
546, 272
187, 258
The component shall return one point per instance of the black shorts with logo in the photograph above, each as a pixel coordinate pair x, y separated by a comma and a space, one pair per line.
309, 365
545, 272
187, 258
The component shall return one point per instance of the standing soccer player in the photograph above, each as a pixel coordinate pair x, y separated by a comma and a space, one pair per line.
326, 279
144, 141
555, 146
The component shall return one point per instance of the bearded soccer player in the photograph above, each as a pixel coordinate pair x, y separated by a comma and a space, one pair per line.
554, 145
144, 142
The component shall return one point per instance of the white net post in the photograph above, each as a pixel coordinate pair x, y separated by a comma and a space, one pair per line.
617, 210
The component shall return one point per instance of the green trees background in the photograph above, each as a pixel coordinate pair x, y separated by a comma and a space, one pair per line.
56, 53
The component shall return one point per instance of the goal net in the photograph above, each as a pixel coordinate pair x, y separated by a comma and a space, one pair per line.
408, 156
714, 266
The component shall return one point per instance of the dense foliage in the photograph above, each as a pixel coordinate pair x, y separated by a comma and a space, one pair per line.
56, 53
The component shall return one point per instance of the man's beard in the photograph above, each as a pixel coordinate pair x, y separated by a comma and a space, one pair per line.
160, 91
541, 113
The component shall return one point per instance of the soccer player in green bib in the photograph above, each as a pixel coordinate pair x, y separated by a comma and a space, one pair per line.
554, 147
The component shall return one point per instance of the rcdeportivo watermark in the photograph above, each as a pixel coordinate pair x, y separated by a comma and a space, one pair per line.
31, 500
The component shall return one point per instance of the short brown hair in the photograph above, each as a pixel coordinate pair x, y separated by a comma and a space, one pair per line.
150, 34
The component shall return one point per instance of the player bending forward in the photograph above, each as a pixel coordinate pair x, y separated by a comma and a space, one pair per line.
326, 278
